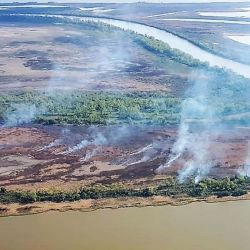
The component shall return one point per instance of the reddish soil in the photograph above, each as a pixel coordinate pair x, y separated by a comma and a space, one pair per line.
27, 160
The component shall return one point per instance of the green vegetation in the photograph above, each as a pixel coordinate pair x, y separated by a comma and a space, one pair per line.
227, 94
225, 187
163, 49
228, 101
95, 108
237, 186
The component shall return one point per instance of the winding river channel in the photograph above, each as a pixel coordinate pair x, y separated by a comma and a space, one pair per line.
178, 43
197, 226
172, 40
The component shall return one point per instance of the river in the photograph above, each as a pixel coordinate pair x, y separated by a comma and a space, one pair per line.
205, 20
178, 43
201, 226
172, 40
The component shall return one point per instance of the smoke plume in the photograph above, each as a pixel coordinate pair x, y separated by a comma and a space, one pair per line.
245, 170
19, 114
197, 125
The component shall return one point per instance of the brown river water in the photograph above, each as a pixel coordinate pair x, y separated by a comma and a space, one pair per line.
201, 226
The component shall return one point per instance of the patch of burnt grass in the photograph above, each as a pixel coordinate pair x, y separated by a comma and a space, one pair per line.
39, 63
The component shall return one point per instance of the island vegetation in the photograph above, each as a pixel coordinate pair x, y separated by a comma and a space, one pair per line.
85, 108
236, 186
95, 108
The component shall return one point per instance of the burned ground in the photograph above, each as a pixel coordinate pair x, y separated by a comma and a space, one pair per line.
48, 57
45, 58
27, 160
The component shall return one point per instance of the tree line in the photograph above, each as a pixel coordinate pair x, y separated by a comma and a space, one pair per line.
236, 186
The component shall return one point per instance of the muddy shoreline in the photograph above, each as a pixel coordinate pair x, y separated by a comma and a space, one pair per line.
16, 209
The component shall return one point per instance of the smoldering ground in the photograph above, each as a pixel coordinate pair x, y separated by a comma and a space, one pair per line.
202, 121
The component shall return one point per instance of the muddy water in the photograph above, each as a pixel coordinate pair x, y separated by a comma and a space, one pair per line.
223, 226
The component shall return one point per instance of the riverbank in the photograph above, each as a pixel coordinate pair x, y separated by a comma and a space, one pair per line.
151, 192
16, 209
174, 41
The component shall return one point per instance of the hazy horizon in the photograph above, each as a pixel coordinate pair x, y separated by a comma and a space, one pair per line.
129, 1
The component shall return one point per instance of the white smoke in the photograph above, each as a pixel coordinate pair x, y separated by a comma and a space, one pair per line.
195, 131
79, 146
96, 139
108, 58
19, 114
245, 170
142, 150
90, 154
147, 153
64, 136
55, 143
99, 139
